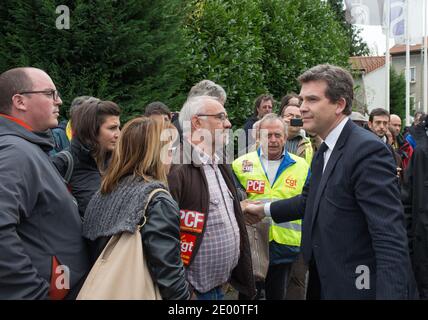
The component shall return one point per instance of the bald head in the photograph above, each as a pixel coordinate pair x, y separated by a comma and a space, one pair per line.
11, 82
30, 95
395, 124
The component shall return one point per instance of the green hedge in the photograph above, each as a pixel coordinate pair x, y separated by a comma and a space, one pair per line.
137, 51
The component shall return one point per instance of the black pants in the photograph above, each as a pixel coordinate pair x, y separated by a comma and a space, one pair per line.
277, 281
296, 289
260, 295
314, 284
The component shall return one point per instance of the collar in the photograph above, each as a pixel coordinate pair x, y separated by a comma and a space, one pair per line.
334, 135
286, 161
204, 158
18, 121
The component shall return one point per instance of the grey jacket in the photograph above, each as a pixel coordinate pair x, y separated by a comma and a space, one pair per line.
39, 220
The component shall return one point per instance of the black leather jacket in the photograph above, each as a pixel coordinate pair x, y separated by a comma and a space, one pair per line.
161, 239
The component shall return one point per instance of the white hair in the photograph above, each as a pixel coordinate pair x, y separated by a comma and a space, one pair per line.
193, 106
270, 117
208, 88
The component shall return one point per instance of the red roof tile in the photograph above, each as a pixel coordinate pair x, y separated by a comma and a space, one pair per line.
367, 64
401, 48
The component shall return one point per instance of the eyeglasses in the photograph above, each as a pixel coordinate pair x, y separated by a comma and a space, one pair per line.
221, 116
54, 93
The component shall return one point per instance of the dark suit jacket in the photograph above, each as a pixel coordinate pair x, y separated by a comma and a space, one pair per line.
353, 218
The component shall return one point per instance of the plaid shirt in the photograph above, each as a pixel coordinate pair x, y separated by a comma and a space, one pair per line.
218, 254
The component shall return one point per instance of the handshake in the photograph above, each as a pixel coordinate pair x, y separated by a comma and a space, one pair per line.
253, 211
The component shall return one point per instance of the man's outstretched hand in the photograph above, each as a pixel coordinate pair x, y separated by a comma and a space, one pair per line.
254, 212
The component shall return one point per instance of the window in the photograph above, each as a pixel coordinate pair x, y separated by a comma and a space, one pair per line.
413, 74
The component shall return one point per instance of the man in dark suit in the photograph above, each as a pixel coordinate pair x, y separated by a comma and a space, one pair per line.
353, 238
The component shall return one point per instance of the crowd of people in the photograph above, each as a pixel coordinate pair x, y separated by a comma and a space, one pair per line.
321, 203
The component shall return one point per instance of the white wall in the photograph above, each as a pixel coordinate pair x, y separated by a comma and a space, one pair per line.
374, 83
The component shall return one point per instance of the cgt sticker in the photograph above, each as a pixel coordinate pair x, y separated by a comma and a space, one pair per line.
247, 166
187, 244
255, 186
291, 183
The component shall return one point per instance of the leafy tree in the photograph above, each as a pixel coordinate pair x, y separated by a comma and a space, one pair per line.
137, 51
257, 46
397, 94
357, 46
296, 36
125, 51
225, 45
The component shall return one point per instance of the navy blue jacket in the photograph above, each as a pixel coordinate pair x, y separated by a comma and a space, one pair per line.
354, 218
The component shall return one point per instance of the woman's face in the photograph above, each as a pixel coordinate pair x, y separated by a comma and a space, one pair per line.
109, 133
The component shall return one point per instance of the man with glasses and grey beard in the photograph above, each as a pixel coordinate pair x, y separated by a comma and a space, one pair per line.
214, 240
42, 252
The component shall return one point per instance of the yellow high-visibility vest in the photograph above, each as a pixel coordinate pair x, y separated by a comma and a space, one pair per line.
68, 130
309, 153
290, 179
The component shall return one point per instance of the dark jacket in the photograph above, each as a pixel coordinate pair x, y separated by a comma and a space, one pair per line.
121, 211
353, 221
39, 220
86, 178
247, 127
414, 196
60, 138
189, 187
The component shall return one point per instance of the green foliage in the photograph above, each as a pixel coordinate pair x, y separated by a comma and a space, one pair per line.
299, 35
224, 45
257, 46
397, 94
357, 47
137, 51
118, 50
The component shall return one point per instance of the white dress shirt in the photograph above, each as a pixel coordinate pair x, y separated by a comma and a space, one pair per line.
330, 141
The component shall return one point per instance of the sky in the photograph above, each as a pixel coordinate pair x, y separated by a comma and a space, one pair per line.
375, 39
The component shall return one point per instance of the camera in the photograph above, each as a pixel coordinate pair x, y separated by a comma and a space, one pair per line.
296, 122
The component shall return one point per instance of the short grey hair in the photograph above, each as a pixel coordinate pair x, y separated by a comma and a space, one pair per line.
208, 88
78, 101
193, 106
273, 117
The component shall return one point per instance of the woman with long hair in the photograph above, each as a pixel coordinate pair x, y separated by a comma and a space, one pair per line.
96, 130
139, 165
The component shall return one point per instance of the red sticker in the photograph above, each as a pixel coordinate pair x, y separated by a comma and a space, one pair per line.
247, 166
187, 245
192, 221
256, 186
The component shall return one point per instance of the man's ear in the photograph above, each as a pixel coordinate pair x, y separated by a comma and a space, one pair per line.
196, 123
341, 104
18, 102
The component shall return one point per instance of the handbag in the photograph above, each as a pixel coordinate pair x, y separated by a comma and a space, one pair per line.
121, 271
258, 235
